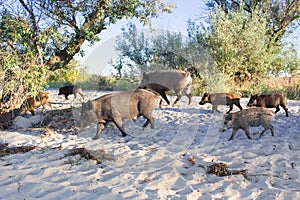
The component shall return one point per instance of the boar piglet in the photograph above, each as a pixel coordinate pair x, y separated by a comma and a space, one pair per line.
217, 99
34, 102
247, 118
71, 89
269, 101
117, 107
164, 80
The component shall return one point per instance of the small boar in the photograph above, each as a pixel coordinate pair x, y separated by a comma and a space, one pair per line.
164, 80
34, 102
244, 119
269, 101
71, 89
217, 99
117, 107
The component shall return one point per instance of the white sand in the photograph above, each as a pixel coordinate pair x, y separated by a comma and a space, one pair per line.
154, 164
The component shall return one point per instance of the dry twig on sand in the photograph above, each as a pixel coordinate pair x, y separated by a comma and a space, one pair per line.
221, 169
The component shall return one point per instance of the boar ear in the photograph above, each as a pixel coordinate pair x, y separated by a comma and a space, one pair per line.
87, 106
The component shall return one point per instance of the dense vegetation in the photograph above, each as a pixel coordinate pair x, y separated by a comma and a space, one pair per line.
42, 36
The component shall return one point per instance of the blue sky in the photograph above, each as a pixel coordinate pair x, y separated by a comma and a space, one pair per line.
98, 56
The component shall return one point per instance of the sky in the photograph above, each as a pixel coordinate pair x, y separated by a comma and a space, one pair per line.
98, 56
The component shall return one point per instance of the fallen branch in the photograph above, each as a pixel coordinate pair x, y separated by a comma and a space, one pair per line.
221, 169
98, 155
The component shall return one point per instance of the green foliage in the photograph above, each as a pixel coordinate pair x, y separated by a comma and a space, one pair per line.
41, 35
167, 50
241, 46
68, 74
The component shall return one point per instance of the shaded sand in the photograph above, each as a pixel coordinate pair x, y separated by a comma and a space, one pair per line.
169, 162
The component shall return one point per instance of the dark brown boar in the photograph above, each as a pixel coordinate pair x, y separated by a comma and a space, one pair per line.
269, 101
217, 99
177, 80
117, 107
71, 89
159, 89
247, 118
34, 102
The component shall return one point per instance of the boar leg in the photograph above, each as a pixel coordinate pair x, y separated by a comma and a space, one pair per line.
234, 130
272, 129
66, 96
179, 95
164, 96
118, 122
32, 112
277, 109
100, 127
190, 98
177, 99
285, 109
44, 107
267, 127
247, 131
215, 108
149, 120
230, 108
239, 106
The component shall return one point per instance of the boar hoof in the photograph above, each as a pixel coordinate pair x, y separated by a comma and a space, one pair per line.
96, 137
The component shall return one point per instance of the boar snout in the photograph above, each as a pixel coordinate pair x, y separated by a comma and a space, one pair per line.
222, 130
201, 103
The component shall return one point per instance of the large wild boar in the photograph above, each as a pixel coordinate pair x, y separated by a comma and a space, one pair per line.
34, 102
269, 101
217, 99
117, 107
247, 118
164, 80
71, 89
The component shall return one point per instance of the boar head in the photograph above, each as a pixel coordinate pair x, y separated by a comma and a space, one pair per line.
252, 100
88, 115
227, 122
205, 99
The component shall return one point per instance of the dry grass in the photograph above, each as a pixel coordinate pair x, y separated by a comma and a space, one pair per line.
288, 86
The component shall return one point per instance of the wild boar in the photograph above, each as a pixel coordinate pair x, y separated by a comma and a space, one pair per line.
34, 102
164, 80
244, 119
159, 89
217, 99
117, 107
71, 89
269, 101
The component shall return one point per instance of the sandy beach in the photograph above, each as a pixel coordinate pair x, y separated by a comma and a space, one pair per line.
168, 162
